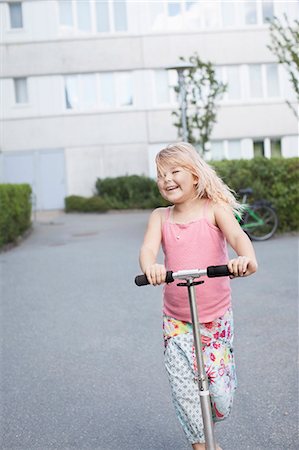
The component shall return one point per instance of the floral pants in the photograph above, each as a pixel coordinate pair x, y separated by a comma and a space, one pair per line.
181, 367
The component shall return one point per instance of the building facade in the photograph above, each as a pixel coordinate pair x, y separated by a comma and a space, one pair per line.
85, 92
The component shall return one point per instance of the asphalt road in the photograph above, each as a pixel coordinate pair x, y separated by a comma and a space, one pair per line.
82, 352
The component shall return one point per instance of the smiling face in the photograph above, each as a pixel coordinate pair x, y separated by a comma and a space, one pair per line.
176, 183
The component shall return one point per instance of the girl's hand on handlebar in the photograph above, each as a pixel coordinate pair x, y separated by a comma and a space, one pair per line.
242, 266
156, 274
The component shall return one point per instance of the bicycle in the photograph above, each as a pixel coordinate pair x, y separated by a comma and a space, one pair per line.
259, 219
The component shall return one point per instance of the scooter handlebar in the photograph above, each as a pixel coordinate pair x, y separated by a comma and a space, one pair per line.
218, 271
211, 272
141, 280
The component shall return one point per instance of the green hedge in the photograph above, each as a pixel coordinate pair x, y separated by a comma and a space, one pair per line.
273, 179
131, 191
15, 211
76, 203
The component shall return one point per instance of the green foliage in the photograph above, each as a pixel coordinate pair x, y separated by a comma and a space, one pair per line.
131, 191
76, 203
15, 211
285, 46
202, 91
275, 180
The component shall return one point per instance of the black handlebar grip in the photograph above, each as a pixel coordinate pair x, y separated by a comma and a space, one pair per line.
218, 271
141, 280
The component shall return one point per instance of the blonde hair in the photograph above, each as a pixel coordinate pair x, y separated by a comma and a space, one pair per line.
209, 184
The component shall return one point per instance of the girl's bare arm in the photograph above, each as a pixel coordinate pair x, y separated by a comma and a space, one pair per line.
155, 272
245, 264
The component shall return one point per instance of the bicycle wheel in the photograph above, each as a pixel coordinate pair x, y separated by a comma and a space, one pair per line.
260, 222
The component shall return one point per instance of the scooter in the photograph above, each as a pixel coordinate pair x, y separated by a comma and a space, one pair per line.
189, 276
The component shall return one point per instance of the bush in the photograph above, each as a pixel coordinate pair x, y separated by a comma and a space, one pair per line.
131, 191
76, 203
274, 179
15, 211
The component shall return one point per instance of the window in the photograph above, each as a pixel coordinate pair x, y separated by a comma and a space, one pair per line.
124, 89
21, 93
217, 150
255, 81
85, 92
250, 12
189, 5
267, 11
107, 91
88, 91
258, 149
80, 92
162, 86
234, 84
120, 15
102, 16
15, 15
272, 80
157, 15
234, 149
66, 13
228, 13
93, 16
173, 8
275, 145
71, 91
83, 15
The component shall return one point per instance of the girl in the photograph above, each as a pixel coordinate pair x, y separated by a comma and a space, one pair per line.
193, 233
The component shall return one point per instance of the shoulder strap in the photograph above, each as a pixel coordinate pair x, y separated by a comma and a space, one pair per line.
166, 215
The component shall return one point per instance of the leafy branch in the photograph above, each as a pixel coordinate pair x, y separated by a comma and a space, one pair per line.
202, 91
285, 46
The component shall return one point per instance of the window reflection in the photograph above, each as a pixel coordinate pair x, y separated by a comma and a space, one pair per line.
83, 14
125, 89
255, 80
272, 80
102, 16
267, 10
15, 15
71, 91
234, 85
66, 12
107, 92
275, 145
21, 93
217, 150
234, 149
211, 12
250, 12
258, 149
173, 9
120, 15
194, 16
228, 12
88, 91
162, 86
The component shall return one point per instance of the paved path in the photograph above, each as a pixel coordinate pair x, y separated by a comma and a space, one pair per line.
82, 357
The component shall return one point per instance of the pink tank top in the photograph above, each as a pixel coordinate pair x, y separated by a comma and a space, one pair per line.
195, 245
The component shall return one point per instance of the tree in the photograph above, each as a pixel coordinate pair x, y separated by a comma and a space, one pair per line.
285, 46
202, 90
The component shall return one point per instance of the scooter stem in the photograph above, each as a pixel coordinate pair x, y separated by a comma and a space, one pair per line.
203, 384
